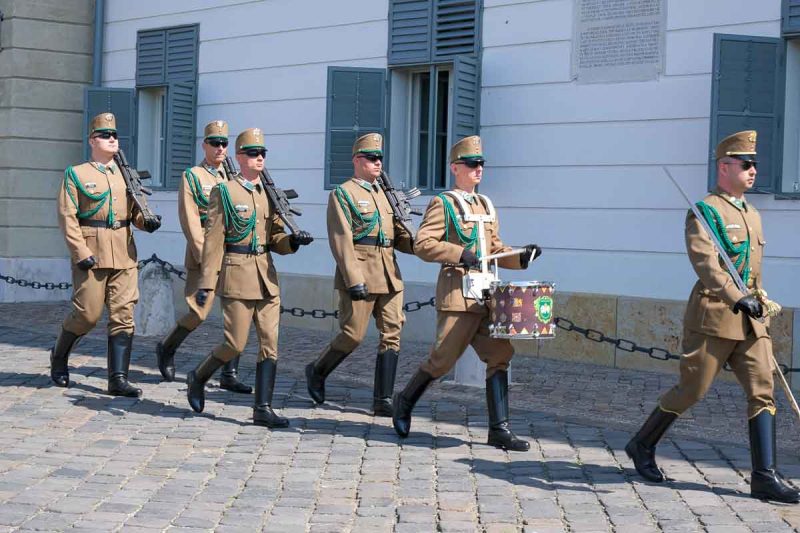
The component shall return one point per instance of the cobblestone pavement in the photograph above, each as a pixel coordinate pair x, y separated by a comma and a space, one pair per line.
78, 459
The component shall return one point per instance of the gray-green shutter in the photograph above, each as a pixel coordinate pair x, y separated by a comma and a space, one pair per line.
410, 31
465, 120
151, 58
456, 28
791, 17
121, 102
181, 100
181, 56
747, 93
356, 106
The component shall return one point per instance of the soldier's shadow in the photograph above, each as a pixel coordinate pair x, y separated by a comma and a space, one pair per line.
569, 476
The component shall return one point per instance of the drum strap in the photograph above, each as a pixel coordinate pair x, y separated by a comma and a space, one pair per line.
465, 209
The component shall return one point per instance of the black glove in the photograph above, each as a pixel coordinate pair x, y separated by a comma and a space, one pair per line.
358, 292
151, 224
86, 264
301, 238
750, 306
532, 251
469, 259
201, 297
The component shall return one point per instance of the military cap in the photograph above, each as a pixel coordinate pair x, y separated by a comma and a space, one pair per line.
741, 145
250, 138
103, 122
467, 148
371, 143
217, 129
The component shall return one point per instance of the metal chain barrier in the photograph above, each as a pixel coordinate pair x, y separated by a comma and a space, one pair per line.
626, 345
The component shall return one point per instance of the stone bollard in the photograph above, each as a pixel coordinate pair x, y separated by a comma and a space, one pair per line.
155, 312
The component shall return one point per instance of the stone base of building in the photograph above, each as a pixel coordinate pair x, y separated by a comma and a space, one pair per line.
40, 270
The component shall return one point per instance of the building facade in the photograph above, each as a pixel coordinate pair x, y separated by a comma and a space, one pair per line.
575, 143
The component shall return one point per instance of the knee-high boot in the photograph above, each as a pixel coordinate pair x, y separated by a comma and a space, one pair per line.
196, 381
59, 357
642, 447
165, 351
385, 371
765, 483
405, 401
317, 371
263, 415
119, 362
500, 434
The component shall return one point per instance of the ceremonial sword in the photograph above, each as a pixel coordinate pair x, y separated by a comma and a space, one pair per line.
737, 279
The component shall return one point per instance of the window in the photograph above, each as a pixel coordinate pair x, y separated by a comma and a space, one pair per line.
433, 89
152, 132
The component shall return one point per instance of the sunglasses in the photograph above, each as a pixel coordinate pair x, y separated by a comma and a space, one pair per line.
216, 143
472, 163
105, 135
372, 158
745, 165
255, 152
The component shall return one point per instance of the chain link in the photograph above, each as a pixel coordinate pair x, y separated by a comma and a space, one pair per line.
626, 345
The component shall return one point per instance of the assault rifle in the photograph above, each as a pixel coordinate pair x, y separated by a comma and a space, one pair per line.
133, 183
399, 201
279, 198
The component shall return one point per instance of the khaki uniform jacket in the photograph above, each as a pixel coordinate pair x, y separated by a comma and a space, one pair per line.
710, 307
111, 248
242, 276
431, 247
189, 212
360, 263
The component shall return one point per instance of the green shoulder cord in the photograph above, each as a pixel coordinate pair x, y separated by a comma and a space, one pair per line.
238, 226
450, 218
200, 199
351, 212
101, 199
741, 250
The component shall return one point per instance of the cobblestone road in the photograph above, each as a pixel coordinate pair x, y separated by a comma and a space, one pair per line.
78, 459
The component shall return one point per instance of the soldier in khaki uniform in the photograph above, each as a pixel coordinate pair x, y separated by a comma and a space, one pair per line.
721, 325
95, 214
363, 236
444, 238
241, 232
193, 195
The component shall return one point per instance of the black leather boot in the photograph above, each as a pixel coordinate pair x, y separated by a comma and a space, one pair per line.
642, 447
765, 482
317, 371
165, 351
196, 381
59, 357
385, 371
263, 415
229, 380
405, 401
500, 434
119, 361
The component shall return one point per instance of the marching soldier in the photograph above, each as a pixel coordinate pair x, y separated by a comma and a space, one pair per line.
363, 236
444, 238
95, 214
722, 326
241, 232
193, 195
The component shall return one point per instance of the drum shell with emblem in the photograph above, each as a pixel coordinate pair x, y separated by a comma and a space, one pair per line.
522, 310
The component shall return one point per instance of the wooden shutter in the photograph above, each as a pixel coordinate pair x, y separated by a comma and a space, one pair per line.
747, 93
455, 29
791, 17
466, 97
356, 106
410, 31
151, 62
181, 101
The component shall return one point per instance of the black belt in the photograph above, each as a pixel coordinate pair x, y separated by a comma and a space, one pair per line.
246, 249
103, 224
373, 241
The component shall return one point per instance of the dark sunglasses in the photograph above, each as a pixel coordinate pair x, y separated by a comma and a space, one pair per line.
216, 143
745, 165
372, 158
105, 135
255, 152
472, 163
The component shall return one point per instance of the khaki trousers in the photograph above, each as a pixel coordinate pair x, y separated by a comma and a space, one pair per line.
237, 315
93, 289
354, 319
196, 314
455, 331
703, 358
